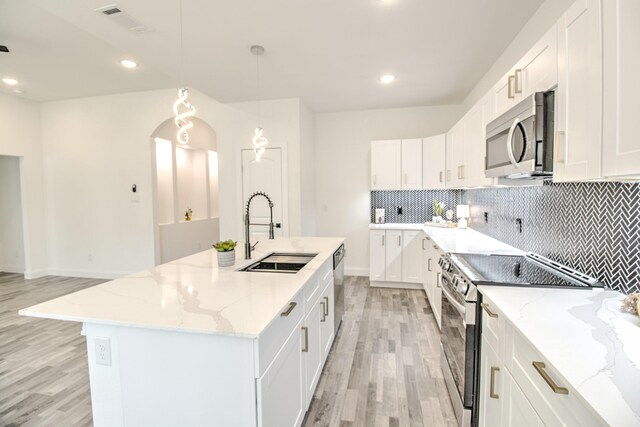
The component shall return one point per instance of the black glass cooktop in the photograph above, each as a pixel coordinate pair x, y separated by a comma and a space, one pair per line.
529, 270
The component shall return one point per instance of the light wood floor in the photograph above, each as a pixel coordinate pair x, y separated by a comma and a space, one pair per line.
383, 369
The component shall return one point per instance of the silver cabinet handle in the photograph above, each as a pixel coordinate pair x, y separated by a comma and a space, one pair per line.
305, 349
399, 240
486, 308
492, 392
556, 388
558, 156
510, 82
326, 306
461, 172
518, 77
429, 264
324, 316
438, 276
440, 175
383, 240
423, 240
292, 305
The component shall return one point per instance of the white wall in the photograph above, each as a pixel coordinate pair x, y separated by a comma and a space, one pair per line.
11, 237
96, 148
20, 136
544, 18
307, 172
342, 165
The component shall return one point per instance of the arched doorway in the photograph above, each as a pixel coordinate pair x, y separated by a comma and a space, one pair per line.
185, 177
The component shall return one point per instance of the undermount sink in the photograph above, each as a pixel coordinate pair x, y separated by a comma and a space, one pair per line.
277, 262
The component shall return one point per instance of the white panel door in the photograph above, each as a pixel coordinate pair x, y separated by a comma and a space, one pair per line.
538, 69
327, 321
393, 256
386, 165
280, 396
579, 95
412, 256
411, 164
491, 390
377, 255
516, 409
503, 94
265, 176
311, 348
434, 162
456, 156
621, 145
475, 144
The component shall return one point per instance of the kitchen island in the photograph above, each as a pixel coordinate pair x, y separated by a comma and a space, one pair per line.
191, 343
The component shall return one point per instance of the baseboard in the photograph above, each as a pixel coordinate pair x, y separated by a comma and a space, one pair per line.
87, 274
356, 271
12, 269
396, 285
35, 274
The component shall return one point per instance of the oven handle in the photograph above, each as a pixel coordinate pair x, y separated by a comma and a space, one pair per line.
461, 308
512, 129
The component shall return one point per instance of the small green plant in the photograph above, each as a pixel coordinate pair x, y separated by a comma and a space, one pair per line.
225, 246
188, 214
438, 207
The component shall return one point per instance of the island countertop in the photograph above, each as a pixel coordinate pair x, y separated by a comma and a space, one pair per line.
193, 294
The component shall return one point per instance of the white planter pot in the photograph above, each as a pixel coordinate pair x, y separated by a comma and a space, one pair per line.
226, 259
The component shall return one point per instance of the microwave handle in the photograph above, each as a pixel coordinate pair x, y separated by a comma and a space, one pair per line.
512, 129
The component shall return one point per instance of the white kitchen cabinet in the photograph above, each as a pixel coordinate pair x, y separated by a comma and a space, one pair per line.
434, 162
503, 94
311, 348
377, 255
393, 256
620, 143
432, 277
411, 164
491, 390
475, 144
516, 409
327, 320
578, 142
537, 71
412, 256
455, 156
279, 393
386, 164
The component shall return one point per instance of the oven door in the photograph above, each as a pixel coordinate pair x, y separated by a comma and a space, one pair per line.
458, 344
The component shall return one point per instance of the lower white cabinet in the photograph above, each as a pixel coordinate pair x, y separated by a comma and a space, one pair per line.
432, 277
491, 388
396, 257
327, 321
311, 349
516, 409
279, 390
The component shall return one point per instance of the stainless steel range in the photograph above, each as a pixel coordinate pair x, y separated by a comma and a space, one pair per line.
460, 339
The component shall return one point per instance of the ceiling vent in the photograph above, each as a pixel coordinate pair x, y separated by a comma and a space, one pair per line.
123, 19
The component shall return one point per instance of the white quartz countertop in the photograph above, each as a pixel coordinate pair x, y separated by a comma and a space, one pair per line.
456, 240
193, 294
585, 336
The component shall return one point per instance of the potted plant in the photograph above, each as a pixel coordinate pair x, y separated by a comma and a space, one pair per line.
188, 214
438, 208
226, 253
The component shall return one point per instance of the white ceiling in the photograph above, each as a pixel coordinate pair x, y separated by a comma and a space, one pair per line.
327, 52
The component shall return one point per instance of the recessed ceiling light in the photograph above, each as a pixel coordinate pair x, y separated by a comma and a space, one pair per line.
10, 81
16, 90
387, 78
127, 63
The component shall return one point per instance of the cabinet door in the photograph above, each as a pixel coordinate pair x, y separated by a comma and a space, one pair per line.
538, 69
280, 394
475, 145
428, 276
433, 162
411, 164
621, 145
377, 249
503, 94
516, 409
311, 351
491, 390
579, 95
386, 165
393, 256
412, 255
327, 320
455, 156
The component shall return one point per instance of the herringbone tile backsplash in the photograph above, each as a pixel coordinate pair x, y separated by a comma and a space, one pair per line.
592, 227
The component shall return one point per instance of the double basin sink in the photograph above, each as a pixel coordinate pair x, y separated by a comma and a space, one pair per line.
289, 263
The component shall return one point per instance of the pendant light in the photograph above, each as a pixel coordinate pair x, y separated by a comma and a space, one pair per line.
259, 140
182, 109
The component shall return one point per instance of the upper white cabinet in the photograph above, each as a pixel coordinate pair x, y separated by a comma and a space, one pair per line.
411, 164
538, 69
433, 162
455, 156
621, 145
578, 139
475, 144
386, 164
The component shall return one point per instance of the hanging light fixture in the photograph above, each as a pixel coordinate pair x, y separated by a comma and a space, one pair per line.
182, 109
259, 141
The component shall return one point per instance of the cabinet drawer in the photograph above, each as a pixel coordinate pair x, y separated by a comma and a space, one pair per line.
275, 335
493, 325
314, 287
556, 403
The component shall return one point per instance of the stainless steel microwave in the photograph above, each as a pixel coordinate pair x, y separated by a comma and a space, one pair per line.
520, 141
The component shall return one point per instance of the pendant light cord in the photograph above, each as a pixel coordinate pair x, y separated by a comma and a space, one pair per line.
257, 84
181, 48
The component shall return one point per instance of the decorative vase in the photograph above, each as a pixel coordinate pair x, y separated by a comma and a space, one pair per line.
226, 259
436, 219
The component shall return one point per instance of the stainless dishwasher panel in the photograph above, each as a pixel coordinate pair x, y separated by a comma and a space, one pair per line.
338, 284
